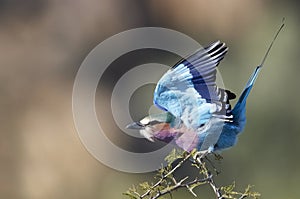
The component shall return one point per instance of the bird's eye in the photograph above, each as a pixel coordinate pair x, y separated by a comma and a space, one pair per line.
151, 123
140, 124
202, 125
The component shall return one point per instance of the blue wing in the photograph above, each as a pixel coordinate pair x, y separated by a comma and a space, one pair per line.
189, 91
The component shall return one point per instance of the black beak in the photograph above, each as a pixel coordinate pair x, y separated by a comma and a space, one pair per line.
135, 125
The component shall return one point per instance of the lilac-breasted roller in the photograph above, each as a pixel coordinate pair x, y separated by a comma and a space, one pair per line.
197, 113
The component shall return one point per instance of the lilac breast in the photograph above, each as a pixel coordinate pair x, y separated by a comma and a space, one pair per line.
165, 135
188, 140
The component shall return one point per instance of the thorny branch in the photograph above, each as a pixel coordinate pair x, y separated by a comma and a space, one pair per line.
168, 183
166, 176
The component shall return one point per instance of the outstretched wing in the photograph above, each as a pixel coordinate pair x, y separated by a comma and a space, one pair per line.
189, 91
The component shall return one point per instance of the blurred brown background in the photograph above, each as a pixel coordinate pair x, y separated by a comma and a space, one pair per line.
43, 42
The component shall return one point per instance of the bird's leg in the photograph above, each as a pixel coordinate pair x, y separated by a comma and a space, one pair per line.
199, 155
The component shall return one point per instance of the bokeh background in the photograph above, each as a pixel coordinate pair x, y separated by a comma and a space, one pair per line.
43, 42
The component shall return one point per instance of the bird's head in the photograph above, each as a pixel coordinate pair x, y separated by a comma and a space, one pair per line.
154, 126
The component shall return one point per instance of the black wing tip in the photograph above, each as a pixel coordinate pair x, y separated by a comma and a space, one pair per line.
216, 47
230, 94
215, 51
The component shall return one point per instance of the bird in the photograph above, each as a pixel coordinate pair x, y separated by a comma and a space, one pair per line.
196, 113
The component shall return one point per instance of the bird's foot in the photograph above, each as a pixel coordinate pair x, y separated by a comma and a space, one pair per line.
200, 155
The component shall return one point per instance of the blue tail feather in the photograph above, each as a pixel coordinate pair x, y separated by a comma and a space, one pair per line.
239, 110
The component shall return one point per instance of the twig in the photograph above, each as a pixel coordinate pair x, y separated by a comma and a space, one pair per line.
180, 184
166, 175
209, 176
167, 182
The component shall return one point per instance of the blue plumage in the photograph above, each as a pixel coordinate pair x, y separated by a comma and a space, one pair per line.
197, 114
191, 83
